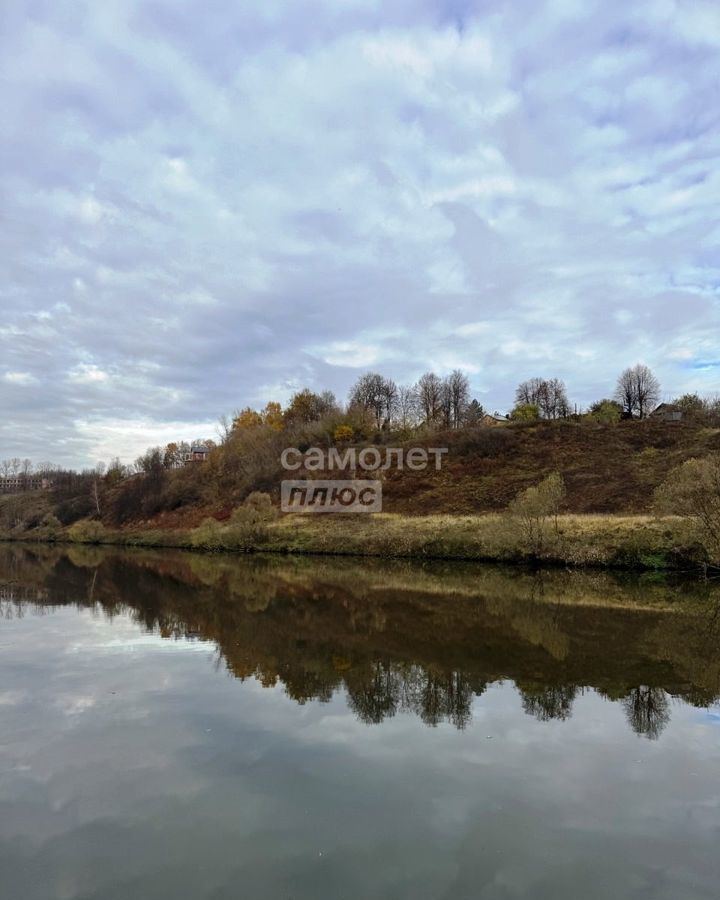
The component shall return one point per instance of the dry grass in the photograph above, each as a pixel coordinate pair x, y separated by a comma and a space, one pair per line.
581, 540
610, 541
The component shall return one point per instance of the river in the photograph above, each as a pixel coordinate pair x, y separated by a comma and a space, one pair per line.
178, 725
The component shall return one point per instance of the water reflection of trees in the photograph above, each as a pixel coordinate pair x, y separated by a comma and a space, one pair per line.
383, 690
545, 703
647, 710
402, 639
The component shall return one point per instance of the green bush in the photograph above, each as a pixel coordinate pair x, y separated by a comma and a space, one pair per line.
248, 527
87, 531
208, 535
50, 528
692, 490
261, 503
525, 412
533, 509
606, 411
249, 523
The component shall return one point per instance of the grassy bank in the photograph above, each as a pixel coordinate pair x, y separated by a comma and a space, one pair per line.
605, 541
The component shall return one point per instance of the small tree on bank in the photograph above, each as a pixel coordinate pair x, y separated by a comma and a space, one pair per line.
534, 509
692, 490
87, 531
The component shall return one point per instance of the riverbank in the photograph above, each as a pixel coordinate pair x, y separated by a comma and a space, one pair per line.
589, 541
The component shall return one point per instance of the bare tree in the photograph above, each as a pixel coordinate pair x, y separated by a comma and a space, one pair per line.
549, 396
647, 711
528, 392
97, 475
407, 404
224, 428
429, 391
558, 406
445, 404
458, 390
637, 391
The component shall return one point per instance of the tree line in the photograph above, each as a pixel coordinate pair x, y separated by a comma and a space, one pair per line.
377, 403
377, 410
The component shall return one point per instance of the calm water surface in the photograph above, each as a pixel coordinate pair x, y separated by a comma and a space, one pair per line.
181, 726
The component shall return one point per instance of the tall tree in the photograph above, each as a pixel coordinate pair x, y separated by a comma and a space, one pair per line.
445, 404
529, 392
171, 456
429, 390
376, 394
272, 416
407, 404
307, 406
247, 418
637, 391
458, 391
473, 413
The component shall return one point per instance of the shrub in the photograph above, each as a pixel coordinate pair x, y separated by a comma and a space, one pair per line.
248, 523
532, 510
343, 433
692, 405
87, 531
692, 490
261, 503
525, 412
606, 411
50, 527
73, 509
182, 489
208, 535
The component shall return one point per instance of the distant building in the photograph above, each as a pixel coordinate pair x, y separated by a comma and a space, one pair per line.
198, 453
493, 419
16, 484
668, 412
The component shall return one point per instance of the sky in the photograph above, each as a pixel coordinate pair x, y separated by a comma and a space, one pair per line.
208, 204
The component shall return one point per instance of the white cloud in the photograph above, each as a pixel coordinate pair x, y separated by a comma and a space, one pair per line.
20, 378
276, 196
86, 373
128, 438
90, 211
349, 353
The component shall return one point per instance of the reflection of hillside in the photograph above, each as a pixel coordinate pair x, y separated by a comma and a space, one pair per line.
403, 638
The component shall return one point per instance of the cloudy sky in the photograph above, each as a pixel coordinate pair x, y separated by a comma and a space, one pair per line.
210, 204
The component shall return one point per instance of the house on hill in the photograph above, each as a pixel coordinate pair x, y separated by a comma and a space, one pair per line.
198, 453
667, 412
493, 419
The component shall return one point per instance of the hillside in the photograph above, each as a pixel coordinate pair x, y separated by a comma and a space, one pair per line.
607, 468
